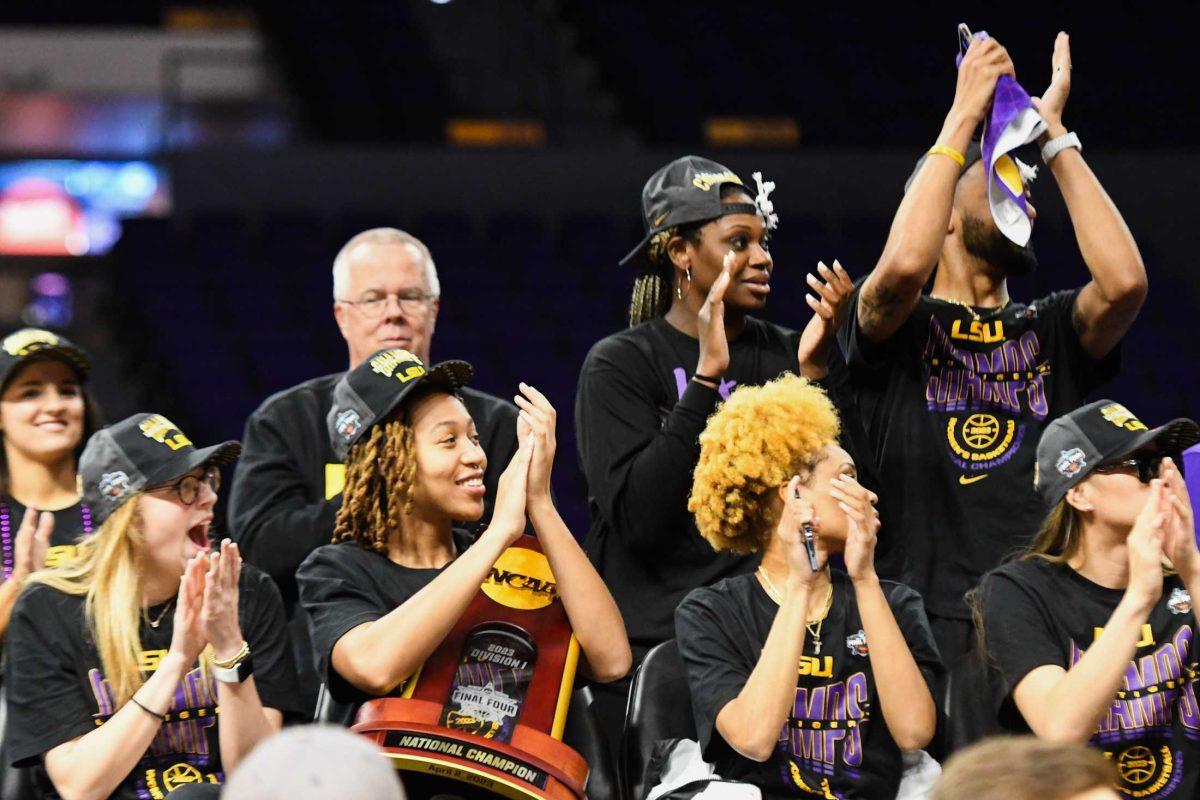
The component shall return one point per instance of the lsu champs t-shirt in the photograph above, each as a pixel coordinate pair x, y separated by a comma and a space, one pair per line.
953, 405
1037, 613
835, 743
57, 690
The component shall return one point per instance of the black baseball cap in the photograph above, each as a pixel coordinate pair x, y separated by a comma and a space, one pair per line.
1073, 445
686, 190
35, 344
138, 452
974, 153
372, 390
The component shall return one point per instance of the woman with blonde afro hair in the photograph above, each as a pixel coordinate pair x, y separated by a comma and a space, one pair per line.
805, 680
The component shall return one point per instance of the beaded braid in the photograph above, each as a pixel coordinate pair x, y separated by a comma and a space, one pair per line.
379, 478
652, 289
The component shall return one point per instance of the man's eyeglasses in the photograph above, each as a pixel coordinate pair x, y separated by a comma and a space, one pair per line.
187, 488
374, 304
1146, 467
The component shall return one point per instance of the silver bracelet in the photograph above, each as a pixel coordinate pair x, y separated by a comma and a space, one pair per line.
1056, 145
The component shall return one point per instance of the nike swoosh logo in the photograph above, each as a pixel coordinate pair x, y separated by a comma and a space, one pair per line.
965, 481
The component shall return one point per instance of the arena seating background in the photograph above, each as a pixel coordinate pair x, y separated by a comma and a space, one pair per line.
204, 313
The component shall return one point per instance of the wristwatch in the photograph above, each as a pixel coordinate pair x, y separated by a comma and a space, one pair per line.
1055, 146
235, 674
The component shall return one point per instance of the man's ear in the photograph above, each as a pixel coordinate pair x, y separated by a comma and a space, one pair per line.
954, 222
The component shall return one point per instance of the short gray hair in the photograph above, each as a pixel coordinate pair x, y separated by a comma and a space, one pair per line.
341, 262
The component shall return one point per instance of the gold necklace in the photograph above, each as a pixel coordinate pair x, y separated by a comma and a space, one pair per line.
154, 623
971, 309
815, 633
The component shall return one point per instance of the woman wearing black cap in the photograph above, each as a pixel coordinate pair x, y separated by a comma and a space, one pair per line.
120, 657
644, 393
45, 417
1092, 631
399, 576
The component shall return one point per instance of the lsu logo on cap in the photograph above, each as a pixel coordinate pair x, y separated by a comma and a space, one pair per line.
1070, 462
1122, 417
400, 364
22, 343
521, 579
163, 431
348, 424
113, 485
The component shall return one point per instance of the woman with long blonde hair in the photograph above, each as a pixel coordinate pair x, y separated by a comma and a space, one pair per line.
120, 657
1092, 633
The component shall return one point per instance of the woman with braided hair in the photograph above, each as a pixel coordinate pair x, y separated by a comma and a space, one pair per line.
704, 268
383, 596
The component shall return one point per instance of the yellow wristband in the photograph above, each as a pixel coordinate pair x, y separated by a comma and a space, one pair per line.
943, 150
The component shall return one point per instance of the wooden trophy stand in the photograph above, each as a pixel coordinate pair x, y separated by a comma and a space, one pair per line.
484, 715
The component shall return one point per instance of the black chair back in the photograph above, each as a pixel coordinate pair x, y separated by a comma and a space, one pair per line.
660, 707
584, 734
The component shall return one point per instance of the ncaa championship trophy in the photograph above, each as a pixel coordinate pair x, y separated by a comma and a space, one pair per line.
484, 715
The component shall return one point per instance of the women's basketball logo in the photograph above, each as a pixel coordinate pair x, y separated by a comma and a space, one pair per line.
1144, 770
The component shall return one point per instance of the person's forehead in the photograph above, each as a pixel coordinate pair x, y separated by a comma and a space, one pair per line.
439, 410
378, 263
44, 370
835, 458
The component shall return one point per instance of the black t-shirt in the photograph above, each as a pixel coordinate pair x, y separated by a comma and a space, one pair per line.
953, 409
57, 690
70, 524
344, 585
836, 742
1037, 613
638, 419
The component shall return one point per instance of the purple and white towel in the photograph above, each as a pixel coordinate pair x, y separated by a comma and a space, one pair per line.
1011, 122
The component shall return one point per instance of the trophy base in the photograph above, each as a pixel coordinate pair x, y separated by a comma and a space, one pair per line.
464, 766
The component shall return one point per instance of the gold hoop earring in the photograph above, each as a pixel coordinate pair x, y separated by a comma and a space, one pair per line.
679, 293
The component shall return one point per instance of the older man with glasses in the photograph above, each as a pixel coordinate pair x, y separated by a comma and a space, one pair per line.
288, 485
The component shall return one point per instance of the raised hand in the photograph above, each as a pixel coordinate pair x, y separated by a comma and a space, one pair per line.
1145, 549
32, 542
1179, 540
858, 503
1051, 104
508, 515
219, 615
790, 529
833, 290
982, 65
714, 346
188, 637
537, 420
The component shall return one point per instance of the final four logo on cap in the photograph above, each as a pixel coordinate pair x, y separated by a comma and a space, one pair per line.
1071, 461
349, 423
113, 485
